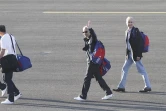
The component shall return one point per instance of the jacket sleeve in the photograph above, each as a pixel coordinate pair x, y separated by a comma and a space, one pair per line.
94, 39
139, 43
86, 47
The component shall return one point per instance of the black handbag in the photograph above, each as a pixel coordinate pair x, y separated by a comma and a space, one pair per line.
9, 62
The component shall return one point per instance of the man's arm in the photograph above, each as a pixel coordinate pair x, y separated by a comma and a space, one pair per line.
94, 39
140, 42
93, 34
2, 53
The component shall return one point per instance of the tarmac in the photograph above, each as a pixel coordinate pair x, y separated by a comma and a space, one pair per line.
49, 32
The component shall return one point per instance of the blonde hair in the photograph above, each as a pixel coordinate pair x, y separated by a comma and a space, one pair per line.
129, 18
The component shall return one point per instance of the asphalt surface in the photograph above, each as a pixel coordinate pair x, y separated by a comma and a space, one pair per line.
54, 43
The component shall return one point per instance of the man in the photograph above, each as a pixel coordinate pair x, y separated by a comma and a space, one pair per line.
134, 44
92, 68
3, 86
6, 49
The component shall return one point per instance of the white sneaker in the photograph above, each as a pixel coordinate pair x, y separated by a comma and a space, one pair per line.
17, 97
7, 102
79, 98
3, 92
107, 97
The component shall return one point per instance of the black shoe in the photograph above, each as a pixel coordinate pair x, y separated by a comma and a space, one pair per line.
146, 90
119, 90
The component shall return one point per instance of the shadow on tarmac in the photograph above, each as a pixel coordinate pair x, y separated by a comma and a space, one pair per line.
108, 104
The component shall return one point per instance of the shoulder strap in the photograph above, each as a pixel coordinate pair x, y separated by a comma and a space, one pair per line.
17, 46
12, 43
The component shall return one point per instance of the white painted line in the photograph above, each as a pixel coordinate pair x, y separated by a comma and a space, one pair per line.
54, 12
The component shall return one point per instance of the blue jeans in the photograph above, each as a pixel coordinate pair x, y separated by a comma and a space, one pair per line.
140, 68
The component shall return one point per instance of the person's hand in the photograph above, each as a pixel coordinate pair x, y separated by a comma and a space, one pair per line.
85, 39
138, 58
85, 48
126, 57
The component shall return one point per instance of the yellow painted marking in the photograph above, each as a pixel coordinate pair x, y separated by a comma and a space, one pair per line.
70, 12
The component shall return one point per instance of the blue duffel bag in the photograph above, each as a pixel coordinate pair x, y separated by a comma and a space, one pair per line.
24, 62
105, 66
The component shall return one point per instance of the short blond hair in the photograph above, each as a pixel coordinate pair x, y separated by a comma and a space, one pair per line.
129, 18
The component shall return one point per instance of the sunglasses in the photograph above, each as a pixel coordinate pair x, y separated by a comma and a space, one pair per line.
85, 32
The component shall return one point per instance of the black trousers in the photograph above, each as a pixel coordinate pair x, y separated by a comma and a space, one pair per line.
93, 71
11, 88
